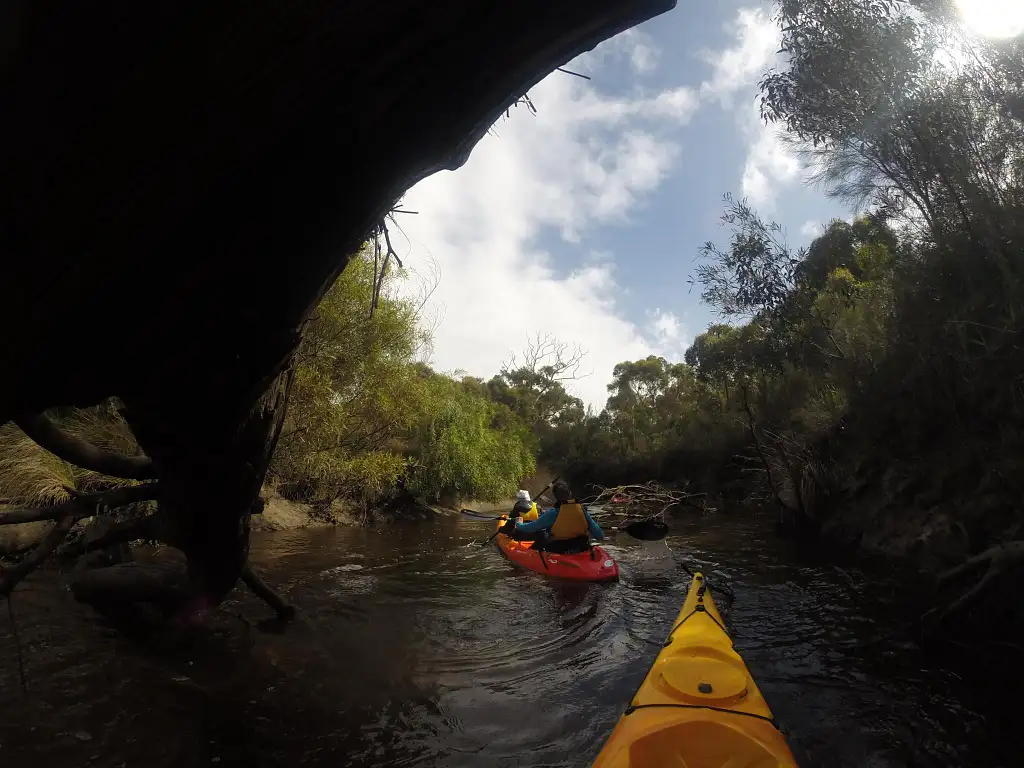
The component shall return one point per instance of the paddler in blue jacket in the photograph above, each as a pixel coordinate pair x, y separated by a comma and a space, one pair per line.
566, 527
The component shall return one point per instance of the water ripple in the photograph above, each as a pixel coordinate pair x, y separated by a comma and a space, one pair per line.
417, 647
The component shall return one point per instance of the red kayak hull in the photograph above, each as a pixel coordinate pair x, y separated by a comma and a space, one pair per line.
586, 566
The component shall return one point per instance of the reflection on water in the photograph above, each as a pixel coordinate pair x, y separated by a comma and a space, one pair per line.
415, 647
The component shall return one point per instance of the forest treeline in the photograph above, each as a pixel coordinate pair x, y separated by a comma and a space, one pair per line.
883, 362
882, 365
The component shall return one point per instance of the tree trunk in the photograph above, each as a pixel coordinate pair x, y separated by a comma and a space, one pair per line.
190, 203
210, 477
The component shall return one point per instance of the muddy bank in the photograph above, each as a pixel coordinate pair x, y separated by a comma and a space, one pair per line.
936, 511
280, 514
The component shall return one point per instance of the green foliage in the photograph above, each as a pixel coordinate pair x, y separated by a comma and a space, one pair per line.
467, 445
356, 394
32, 476
893, 337
364, 415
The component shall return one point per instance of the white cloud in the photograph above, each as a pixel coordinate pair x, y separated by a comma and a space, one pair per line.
741, 65
632, 45
668, 333
811, 228
584, 160
769, 164
736, 70
644, 58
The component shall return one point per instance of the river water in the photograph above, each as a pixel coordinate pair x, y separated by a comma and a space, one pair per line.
416, 648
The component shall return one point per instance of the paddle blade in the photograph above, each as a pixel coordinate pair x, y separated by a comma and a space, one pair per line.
479, 516
646, 530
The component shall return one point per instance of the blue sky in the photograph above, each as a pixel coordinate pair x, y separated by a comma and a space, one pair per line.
584, 221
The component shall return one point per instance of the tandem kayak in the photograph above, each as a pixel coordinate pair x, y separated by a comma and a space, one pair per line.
698, 707
595, 565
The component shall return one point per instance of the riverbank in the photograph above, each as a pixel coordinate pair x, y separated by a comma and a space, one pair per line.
280, 514
936, 510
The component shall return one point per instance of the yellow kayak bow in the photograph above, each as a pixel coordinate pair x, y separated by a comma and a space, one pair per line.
698, 707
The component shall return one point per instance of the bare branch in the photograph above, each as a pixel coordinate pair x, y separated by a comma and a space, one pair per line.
382, 255
996, 561
574, 74
545, 354
649, 499
83, 505
71, 449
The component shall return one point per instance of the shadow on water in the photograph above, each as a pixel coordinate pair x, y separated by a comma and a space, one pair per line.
416, 648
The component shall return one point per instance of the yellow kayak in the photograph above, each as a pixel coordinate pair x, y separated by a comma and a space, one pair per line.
698, 707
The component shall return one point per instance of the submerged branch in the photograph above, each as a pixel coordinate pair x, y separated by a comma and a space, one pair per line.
260, 588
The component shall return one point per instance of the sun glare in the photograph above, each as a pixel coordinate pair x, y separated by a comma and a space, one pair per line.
993, 18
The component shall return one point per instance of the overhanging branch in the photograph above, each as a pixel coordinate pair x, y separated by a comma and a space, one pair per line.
83, 454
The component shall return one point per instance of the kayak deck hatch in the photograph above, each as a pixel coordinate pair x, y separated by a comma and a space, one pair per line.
698, 707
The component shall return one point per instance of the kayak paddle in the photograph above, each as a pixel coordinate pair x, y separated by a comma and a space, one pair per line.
649, 529
478, 516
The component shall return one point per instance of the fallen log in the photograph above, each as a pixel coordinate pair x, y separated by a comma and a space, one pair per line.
65, 516
83, 505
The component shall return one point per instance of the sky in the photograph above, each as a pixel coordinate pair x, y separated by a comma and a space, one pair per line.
584, 221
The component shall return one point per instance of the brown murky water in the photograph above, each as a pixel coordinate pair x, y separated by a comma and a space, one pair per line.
414, 649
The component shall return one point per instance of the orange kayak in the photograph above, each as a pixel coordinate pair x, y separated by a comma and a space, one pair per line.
698, 707
595, 565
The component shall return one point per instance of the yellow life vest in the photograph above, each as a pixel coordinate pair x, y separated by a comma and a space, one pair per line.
532, 515
571, 521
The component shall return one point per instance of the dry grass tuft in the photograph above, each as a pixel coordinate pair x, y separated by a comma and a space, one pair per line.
32, 476
29, 475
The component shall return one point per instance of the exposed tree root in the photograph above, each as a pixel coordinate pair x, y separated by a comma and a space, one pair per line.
996, 561
118, 588
83, 454
180, 590
116, 533
205, 386
284, 610
10, 577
